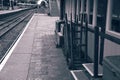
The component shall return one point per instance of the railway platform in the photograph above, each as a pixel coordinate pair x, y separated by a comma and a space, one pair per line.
10, 11
34, 56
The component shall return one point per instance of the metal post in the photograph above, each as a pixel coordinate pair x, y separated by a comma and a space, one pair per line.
71, 39
109, 14
66, 38
13, 4
62, 9
82, 6
78, 7
2, 3
102, 45
50, 6
75, 9
10, 7
86, 36
96, 40
96, 48
88, 9
108, 25
81, 34
95, 13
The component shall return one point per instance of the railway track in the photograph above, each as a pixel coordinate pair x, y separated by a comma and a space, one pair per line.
10, 29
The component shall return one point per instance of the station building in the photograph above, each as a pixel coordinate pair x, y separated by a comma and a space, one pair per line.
88, 32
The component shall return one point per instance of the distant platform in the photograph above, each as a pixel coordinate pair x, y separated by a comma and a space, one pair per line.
10, 11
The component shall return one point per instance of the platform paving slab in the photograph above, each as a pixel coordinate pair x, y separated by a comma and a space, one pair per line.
36, 56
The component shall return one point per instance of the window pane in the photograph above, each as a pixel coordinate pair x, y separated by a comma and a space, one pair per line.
116, 16
101, 15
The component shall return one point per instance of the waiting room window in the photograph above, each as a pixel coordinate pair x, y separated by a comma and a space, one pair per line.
115, 24
101, 14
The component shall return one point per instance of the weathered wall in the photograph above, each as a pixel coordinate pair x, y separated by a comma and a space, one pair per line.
91, 45
111, 48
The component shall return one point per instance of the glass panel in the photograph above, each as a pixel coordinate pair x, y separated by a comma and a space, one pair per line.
116, 16
101, 15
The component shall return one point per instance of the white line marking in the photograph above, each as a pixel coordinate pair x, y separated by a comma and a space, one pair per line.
72, 72
74, 75
77, 70
91, 73
10, 51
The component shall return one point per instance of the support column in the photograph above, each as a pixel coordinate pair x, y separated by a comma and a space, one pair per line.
78, 7
96, 51
75, 9
62, 2
82, 6
96, 39
95, 5
88, 9
2, 4
109, 14
10, 7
